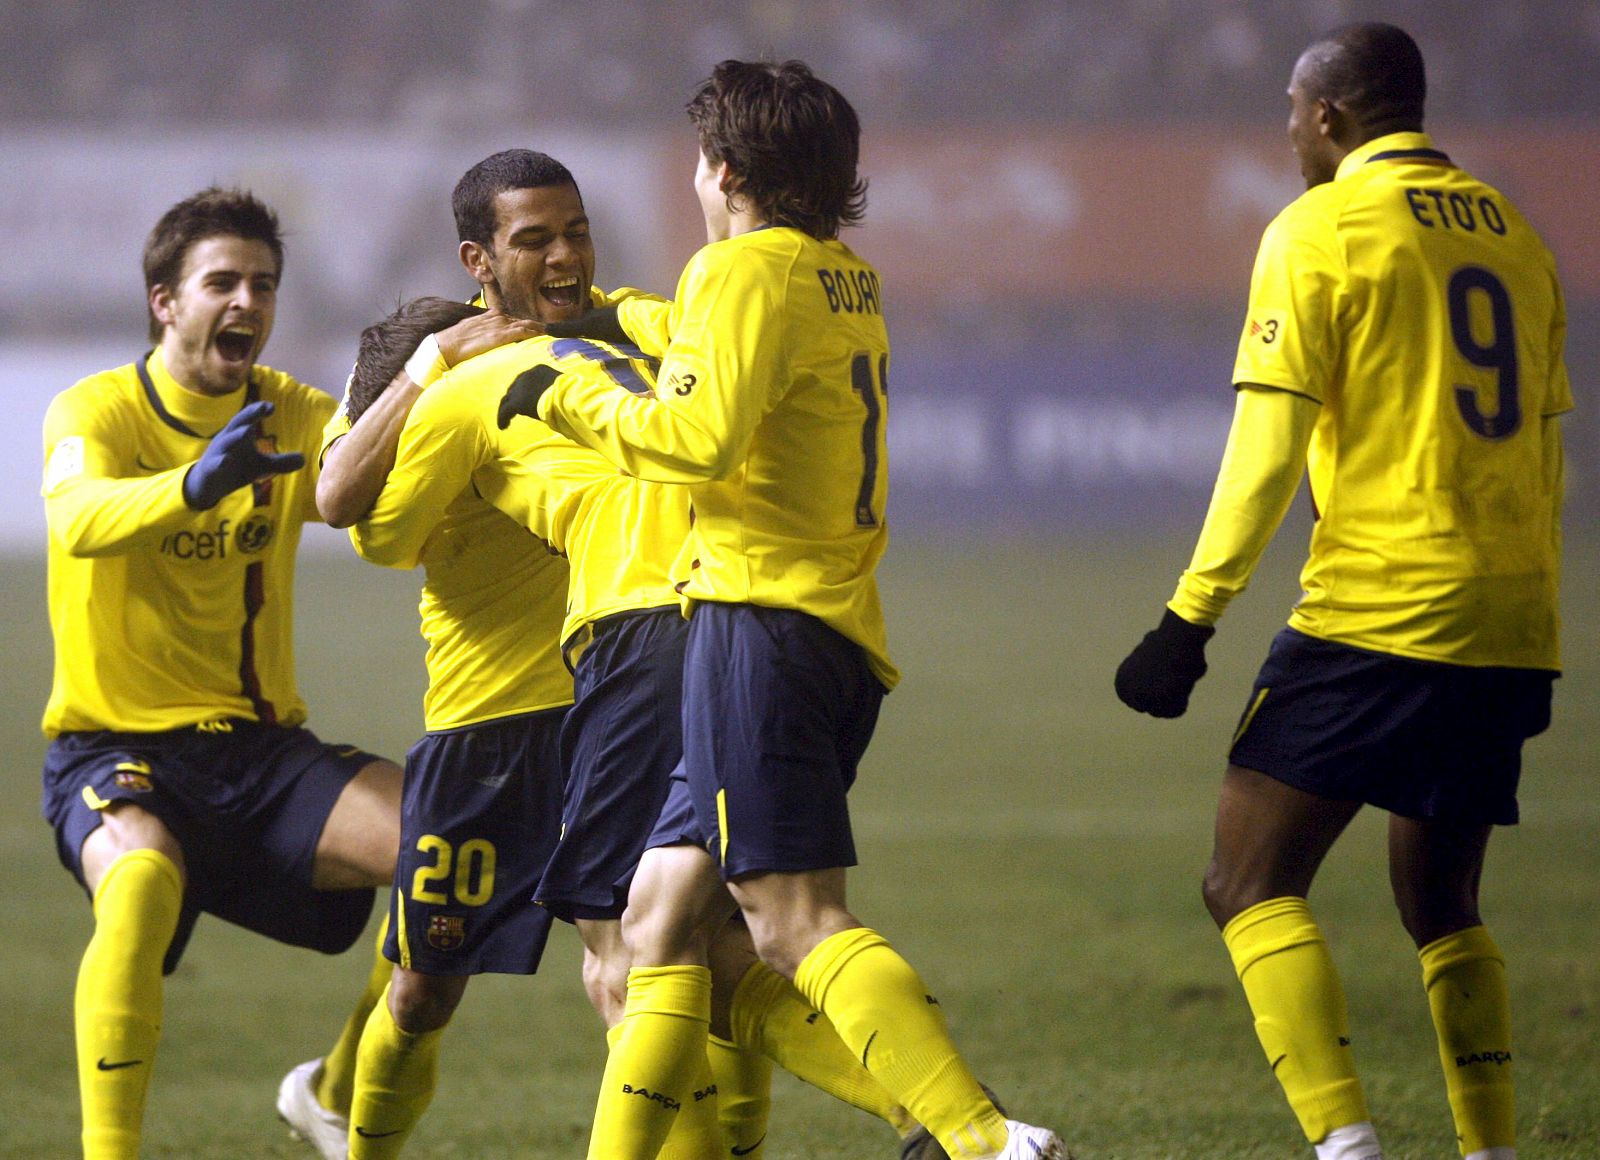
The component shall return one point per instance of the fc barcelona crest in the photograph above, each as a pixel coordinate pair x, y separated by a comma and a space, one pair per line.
446, 932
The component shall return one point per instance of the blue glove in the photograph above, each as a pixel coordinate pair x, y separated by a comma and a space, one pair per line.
232, 460
1164, 667
522, 397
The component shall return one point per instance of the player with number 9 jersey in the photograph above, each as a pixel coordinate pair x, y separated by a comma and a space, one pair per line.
1422, 310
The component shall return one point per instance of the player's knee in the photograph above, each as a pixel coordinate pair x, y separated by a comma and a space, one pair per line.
1224, 892
1429, 919
422, 1003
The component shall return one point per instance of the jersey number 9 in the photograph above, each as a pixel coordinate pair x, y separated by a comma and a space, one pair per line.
1499, 354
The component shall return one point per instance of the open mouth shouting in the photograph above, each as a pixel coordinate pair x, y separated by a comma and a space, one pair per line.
236, 343
562, 293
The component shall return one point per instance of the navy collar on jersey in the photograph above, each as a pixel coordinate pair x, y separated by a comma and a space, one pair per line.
1422, 154
252, 392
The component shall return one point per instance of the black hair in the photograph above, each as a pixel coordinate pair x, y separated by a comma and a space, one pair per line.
473, 198
1374, 72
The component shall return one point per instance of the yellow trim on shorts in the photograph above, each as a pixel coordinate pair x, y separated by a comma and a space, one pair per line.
1250, 714
722, 824
400, 939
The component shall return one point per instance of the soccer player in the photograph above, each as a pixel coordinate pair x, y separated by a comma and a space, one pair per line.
179, 777
483, 788
625, 635
1404, 334
770, 408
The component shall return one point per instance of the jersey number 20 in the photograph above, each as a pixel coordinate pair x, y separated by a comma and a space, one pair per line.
1499, 354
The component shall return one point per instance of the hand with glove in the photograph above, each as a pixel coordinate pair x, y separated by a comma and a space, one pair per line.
522, 397
233, 459
1164, 667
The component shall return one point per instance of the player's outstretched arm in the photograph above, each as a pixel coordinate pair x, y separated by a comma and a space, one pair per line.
1261, 470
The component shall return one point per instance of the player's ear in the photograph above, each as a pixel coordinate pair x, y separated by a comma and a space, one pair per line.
475, 257
161, 303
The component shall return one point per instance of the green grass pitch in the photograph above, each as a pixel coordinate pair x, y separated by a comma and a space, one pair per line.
1031, 845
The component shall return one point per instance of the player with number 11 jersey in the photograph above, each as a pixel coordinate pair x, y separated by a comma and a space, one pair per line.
788, 487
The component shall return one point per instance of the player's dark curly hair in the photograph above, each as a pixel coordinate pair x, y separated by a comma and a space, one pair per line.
790, 140
1374, 72
473, 198
385, 346
213, 212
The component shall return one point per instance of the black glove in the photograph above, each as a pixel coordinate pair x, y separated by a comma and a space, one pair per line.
522, 397
1163, 668
601, 323
232, 460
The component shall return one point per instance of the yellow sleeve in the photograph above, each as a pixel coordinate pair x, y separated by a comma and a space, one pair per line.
713, 388
1261, 469
643, 317
1290, 339
91, 507
441, 445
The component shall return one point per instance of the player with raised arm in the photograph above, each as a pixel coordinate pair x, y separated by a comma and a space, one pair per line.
482, 798
1404, 337
770, 408
179, 778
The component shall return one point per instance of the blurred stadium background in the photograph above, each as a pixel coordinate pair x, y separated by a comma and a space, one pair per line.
1065, 199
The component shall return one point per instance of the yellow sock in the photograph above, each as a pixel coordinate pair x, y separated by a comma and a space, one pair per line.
1298, 1003
771, 1016
696, 1132
1465, 978
744, 1095
396, 1072
117, 1005
336, 1083
654, 1062
881, 1008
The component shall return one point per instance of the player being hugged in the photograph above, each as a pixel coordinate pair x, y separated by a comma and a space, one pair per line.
1404, 337
770, 409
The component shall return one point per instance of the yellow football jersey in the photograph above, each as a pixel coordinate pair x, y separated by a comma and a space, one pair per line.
771, 406
164, 617
1422, 311
492, 602
618, 534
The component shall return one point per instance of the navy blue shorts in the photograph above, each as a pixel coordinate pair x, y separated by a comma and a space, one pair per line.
478, 820
778, 709
622, 739
246, 802
1417, 738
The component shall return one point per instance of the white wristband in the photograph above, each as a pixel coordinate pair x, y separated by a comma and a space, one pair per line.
426, 366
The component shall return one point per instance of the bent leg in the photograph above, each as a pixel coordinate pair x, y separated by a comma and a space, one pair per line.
1435, 868
1270, 840
398, 1061
657, 1064
133, 867
875, 1000
361, 838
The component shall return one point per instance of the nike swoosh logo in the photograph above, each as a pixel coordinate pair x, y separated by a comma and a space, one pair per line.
867, 1048
119, 1065
1279, 1060
746, 1151
139, 459
366, 1135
